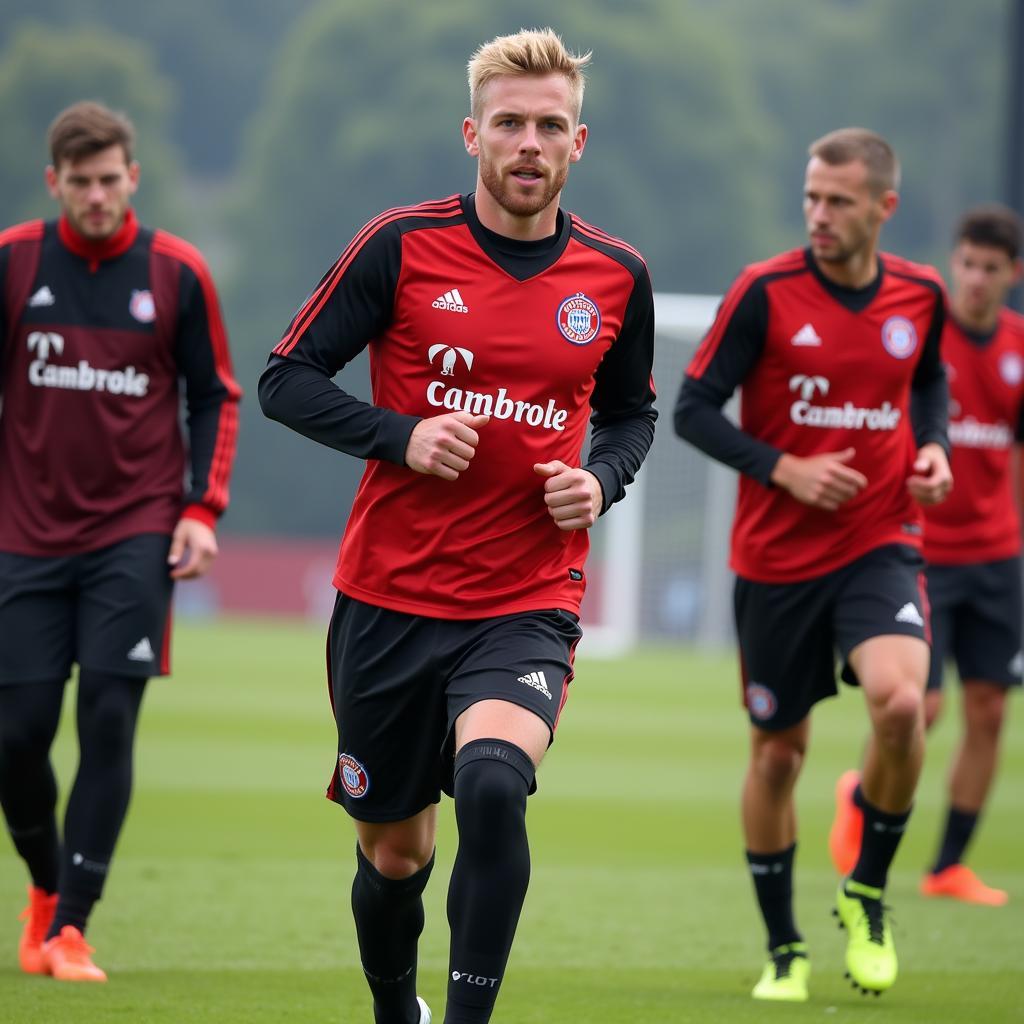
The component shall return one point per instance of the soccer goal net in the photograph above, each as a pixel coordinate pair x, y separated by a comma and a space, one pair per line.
658, 567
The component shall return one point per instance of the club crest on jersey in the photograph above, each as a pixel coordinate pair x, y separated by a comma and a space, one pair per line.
353, 775
1011, 368
578, 319
141, 306
761, 702
899, 336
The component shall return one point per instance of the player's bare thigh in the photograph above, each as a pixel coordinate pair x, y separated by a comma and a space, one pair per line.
503, 720
398, 849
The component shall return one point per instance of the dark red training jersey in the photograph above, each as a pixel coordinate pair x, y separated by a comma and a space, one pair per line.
93, 340
537, 335
822, 368
979, 521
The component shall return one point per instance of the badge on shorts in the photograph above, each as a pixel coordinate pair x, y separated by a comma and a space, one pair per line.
899, 336
353, 776
579, 319
761, 702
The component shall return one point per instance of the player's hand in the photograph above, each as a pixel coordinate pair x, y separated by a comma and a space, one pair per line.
822, 481
193, 549
932, 480
573, 496
443, 445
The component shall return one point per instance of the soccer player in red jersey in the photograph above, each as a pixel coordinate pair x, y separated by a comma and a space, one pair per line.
972, 542
498, 325
100, 318
829, 345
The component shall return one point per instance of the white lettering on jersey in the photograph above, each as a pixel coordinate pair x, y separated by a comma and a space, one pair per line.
846, 416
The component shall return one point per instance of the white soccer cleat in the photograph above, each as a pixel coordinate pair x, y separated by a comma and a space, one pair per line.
425, 1017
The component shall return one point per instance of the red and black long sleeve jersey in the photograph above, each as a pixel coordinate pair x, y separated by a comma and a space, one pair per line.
980, 520
542, 336
95, 339
820, 368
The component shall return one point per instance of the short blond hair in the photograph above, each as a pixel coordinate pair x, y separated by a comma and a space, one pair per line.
537, 51
845, 145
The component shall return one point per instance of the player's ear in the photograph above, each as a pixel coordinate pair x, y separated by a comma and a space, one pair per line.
578, 142
890, 200
50, 174
469, 137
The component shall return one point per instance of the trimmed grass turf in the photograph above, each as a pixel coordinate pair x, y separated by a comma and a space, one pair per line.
229, 899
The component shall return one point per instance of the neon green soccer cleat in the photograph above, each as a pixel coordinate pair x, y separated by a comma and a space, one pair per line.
870, 953
784, 978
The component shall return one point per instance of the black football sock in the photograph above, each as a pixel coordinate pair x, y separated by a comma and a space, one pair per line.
882, 835
491, 873
773, 884
108, 710
389, 919
960, 826
29, 715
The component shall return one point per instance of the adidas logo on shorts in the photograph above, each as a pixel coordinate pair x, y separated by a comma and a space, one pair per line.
537, 681
908, 613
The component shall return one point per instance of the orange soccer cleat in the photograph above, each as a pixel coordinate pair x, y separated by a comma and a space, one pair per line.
959, 882
68, 957
847, 826
38, 916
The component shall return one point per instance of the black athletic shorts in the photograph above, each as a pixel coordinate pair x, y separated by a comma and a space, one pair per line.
789, 632
108, 610
398, 682
976, 621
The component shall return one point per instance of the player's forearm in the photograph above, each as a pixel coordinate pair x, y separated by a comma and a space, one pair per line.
701, 422
303, 399
929, 412
617, 451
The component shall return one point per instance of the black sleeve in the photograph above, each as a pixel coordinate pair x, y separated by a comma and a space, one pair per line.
929, 395
622, 423
350, 307
1019, 434
211, 392
728, 353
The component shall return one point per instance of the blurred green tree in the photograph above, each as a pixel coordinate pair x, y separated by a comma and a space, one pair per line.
41, 72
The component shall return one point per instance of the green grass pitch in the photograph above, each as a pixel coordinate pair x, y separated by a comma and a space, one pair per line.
229, 898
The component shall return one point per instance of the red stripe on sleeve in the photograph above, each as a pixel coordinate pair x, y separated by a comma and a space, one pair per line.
435, 209
30, 231
603, 236
216, 494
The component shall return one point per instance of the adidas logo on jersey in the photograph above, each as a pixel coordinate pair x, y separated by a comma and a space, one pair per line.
908, 613
43, 297
142, 651
452, 301
806, 336
537, 681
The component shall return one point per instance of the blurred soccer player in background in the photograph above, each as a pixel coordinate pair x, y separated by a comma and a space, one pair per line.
100, 318
497, 323
972, 543
842, 437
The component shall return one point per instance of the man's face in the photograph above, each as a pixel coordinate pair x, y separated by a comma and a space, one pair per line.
843, 214
94, 192
525, 138
982, 276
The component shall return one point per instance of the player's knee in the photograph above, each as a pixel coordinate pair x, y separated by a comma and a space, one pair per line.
492, 781
778, 760
985, 710
901, 714
933, 706
397, 860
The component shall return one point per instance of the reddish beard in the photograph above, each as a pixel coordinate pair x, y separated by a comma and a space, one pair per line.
517, 204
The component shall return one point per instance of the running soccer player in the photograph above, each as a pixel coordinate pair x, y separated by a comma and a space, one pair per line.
497, 324
829, 344
99, 320
972, 544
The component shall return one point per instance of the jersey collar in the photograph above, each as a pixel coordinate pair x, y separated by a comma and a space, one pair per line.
106, 249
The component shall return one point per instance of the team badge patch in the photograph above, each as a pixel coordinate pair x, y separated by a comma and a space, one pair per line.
761, 702
899, 336
141, 306
579, 319
1011, 368
353, 776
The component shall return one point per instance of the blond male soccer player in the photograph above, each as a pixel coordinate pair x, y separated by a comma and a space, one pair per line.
498, 325
972, 544
829, 344
101, 322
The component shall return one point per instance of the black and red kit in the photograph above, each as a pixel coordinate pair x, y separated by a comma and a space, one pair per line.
538, 335
821, 368
979, 521
94, 338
